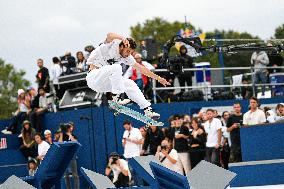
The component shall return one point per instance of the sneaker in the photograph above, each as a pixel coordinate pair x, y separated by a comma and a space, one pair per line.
150, 113
20, 135
117, 99
6, 132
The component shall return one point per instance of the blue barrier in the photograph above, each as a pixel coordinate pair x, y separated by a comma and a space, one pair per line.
258, 173
263, 142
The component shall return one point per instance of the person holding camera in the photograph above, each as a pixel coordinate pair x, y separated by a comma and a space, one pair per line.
118, 170
154, 137
233, 127
169, 157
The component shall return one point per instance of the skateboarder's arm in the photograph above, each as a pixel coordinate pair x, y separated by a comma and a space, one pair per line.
150, 74
111, 36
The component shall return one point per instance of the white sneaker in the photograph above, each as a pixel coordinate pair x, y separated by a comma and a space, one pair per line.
20, 135
120, 101
5, 132
150, 113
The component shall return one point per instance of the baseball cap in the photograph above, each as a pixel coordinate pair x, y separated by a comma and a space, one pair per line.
20, 91
47, 132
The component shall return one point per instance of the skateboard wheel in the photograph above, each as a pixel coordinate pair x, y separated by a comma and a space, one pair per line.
116, 113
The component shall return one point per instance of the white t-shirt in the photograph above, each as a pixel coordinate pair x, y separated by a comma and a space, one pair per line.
56, 71
212, 132
253, 118
116, 170
177, 167
109, 52
131, 149
43, 148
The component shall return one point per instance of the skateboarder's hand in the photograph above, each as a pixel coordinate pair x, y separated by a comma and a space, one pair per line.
163, 81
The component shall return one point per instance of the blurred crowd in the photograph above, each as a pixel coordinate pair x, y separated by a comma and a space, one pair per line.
209, 135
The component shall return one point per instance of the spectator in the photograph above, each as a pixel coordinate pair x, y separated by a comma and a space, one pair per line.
213, 129
143, 50
42, 76
88, 49
69, 62
56, 71
67, 135
28, 147
197, 141
120, 170
153, 139
169, 157
259, 60
140, 79
279, 112
36, 116
34, 99
170, 131
186, 121
254, 116
246, 91
20, 114
225, 117
187, 62
181, 144
57, 136
42, 147
32, 167
143, 132
233, 127
81, 62
275, 60
225, 150
48, 137
131, 141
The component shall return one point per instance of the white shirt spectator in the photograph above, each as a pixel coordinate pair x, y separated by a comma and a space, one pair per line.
259, 60
271, 117
212, 132
116, 170
109, 52
43, 147
131, 149
254, 118
56, 71
177, 167
43, 101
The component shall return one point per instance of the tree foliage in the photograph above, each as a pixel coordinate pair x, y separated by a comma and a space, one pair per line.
10, 81
279, 32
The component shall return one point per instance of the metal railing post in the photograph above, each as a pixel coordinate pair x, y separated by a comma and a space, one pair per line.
253, 81
154, 91
204, 83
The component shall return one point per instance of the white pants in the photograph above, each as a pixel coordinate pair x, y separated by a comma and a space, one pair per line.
185, 161
109, 79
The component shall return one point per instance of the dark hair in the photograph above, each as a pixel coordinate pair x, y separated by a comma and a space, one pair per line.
40, 59
132, 43
238, 103
40, 89
26, 131
183, 47
224, 113
38, 134
210, 110
126, 122
79, 52
55, 60
254, 98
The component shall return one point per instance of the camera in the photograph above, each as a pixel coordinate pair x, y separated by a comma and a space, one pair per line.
175, 64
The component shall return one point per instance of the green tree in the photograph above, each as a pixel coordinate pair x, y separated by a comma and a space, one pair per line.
279, 32
10, 81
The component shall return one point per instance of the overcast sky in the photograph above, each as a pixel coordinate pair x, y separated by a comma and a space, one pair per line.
32, 29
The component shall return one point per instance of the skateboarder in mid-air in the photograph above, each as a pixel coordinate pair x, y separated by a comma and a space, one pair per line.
105, 74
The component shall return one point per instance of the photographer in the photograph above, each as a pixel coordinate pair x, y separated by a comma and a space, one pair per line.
67, 135
187, 62
169, 157
118, 171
